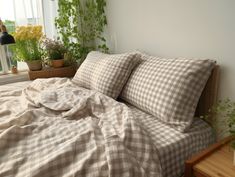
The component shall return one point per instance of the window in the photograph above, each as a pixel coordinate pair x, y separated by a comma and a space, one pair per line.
25, 12
5, 59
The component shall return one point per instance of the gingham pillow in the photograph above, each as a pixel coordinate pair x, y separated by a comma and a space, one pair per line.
106, 73
168, 88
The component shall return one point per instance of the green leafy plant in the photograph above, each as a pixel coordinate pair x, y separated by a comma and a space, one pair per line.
222, 116
55, 50
80, 24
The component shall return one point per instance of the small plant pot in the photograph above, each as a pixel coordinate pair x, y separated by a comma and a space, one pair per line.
234, 157
57, 63
34, 65
14, 70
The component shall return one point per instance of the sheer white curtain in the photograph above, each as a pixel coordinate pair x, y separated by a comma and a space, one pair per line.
28, 12
49, 13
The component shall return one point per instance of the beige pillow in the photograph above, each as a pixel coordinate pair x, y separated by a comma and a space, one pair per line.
106, 73
168, 88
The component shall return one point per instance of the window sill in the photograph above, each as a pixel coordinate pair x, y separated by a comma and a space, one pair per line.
11, 78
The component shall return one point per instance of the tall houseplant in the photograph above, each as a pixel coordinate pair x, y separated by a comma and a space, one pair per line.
80, 24
28, 46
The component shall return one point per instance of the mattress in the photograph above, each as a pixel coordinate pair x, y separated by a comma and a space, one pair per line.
173, 146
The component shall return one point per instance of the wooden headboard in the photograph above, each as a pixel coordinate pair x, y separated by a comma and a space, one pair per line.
209, 94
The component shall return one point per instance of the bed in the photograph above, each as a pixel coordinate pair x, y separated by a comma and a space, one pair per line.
56, 127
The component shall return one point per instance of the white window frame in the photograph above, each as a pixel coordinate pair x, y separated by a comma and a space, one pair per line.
3, 59
5, 76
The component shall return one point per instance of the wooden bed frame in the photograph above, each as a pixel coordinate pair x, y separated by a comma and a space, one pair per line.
207, 100
209, 94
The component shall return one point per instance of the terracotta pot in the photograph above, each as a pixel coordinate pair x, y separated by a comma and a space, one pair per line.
234, 157
34, 65
14, 70
57, 63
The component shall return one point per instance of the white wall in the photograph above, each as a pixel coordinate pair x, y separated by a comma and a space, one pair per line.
173, 28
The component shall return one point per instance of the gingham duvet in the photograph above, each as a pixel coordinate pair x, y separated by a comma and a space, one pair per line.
77, 132
54, 128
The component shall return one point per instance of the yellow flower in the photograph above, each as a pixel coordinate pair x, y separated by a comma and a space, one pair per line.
28, 39
28, 32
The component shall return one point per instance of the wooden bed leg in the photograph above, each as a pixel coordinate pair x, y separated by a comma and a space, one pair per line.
188, 169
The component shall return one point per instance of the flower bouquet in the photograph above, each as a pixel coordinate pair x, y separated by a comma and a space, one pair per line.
28, 46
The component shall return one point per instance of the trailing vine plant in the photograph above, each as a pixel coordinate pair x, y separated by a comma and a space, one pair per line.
80, 24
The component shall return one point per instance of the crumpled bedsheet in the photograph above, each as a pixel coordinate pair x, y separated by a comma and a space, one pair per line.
55, 128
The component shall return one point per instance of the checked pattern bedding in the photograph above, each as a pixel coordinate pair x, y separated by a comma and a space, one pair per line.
38, 151
44, 131
174, 147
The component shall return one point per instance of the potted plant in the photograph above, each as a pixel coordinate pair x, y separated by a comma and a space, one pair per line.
55, 51
223, 117
14, 69
28, 46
